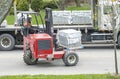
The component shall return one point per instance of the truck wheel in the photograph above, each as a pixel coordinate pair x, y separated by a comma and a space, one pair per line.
28, 59
70, 59
7, 42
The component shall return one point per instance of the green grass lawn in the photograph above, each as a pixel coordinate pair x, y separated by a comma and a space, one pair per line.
10, 19
107, 76
83, 7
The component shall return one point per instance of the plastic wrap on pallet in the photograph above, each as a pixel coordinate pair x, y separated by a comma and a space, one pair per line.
69, 38
81, 17
61, 17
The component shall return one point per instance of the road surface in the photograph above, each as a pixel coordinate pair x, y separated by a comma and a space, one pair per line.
94, 60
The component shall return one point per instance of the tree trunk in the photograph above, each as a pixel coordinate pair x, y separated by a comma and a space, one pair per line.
62, 4
56, 3
77, 3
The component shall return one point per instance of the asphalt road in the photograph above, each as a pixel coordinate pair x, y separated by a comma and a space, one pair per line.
94, 60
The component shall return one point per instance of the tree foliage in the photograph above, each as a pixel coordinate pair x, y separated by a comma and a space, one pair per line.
36, 5
62, 4
22, 5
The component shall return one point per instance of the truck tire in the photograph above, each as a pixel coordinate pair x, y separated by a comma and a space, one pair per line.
7, 42
118, 41
70, 59
28, 59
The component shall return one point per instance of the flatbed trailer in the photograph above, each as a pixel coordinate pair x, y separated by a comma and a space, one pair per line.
11, 35
78, 27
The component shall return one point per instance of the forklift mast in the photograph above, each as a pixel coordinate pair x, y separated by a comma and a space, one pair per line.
49, 21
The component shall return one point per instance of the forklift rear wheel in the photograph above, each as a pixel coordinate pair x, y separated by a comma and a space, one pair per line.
28, 58
70, 59
7, 42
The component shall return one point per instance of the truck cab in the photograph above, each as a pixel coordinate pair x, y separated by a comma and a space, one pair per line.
106, 18
107, 10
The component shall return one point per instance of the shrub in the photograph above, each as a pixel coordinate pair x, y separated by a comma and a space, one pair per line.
50, 4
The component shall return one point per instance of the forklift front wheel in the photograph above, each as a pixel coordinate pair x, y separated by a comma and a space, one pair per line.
28, 58
70, 59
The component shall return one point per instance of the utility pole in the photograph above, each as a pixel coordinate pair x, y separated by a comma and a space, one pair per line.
116, 28
15, 12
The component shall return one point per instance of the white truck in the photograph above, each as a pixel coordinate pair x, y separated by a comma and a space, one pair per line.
97, 29
96, 25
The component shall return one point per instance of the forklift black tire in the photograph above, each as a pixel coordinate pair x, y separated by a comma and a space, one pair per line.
28, 59
118, 41
7, 42
70, 59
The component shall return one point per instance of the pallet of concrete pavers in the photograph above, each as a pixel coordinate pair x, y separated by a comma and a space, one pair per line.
61, 17
72, 17
81, 17
69, 38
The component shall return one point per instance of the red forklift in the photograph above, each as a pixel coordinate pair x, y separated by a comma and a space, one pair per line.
40, 42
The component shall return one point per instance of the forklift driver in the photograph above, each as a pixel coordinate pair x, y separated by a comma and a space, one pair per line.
28, 26
27, 23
